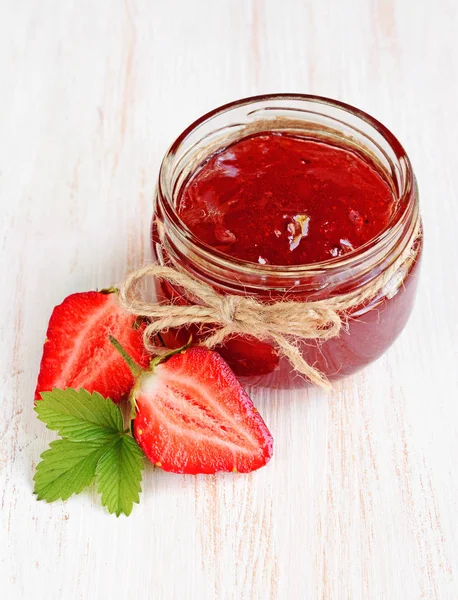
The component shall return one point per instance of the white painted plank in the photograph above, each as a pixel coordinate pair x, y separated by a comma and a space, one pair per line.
360, 500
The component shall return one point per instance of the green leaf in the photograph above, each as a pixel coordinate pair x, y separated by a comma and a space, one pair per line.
79, 415
95, 447
68, 467
119, 475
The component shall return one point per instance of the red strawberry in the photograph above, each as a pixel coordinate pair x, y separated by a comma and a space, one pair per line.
77, 352
193, 416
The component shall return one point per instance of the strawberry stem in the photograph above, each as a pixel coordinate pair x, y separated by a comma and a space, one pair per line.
136, 370
157, 360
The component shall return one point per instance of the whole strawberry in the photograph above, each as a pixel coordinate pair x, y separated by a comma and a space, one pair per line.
77, 352
191, 415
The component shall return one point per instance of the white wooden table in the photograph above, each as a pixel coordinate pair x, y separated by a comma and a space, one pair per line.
360, 499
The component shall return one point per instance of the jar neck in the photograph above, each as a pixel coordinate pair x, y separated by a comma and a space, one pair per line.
303, 115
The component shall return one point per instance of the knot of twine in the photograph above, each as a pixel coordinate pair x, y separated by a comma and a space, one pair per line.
284, 322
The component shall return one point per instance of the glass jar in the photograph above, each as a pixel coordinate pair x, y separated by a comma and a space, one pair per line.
372, 327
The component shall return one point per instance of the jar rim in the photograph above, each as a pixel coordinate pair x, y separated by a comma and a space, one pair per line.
355, 257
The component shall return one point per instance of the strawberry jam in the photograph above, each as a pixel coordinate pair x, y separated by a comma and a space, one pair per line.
282, 200
291, 198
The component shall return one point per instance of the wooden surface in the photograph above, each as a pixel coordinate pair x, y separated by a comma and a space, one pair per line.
360, 499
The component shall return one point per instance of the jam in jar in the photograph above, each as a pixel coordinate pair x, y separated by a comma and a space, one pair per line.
291, 197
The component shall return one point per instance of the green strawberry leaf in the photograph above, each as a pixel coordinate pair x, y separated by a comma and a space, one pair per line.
79, 415
68, 467
94, 447
119, 475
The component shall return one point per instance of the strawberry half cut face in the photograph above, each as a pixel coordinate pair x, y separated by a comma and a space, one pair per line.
78, 353
193, 416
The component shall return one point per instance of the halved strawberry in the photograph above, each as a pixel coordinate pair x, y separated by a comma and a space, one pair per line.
193, 416
77, 352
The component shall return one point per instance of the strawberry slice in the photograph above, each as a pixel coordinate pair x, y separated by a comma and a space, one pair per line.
77, 352
193, 416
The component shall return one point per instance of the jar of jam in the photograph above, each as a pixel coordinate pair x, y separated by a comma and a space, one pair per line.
291, 197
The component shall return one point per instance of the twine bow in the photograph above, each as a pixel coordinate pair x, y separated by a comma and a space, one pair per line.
285, 322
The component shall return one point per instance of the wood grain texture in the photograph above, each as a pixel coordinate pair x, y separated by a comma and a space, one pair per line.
360, 500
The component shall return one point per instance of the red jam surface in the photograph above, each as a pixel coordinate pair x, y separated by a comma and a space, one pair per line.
279, 199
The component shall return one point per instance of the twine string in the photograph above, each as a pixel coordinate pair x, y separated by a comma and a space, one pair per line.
285, 323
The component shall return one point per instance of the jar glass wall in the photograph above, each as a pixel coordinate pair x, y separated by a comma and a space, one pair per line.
370, 328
